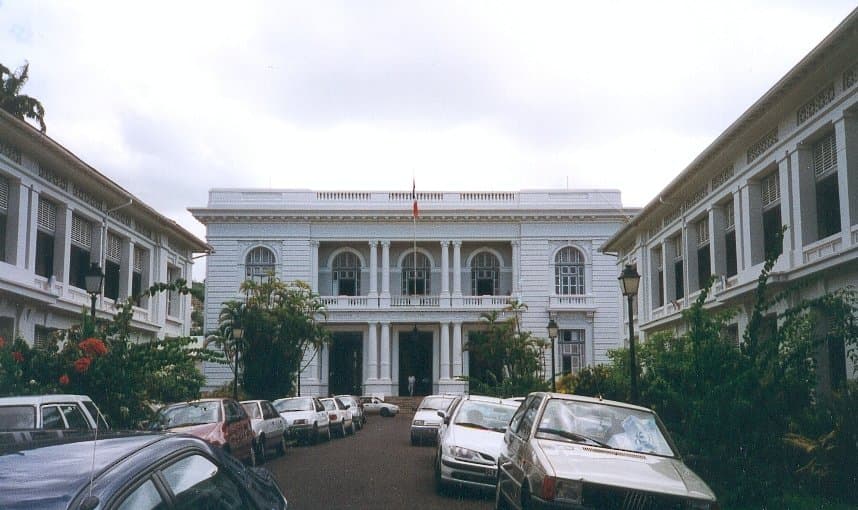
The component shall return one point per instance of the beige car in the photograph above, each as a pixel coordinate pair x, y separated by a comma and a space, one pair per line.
566, 451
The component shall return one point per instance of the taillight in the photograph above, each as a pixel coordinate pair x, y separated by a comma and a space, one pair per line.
549, 488
332, 417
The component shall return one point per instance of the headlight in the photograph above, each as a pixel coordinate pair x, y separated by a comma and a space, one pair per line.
697, 504
568, 491
418, 422
465, 454
300, 422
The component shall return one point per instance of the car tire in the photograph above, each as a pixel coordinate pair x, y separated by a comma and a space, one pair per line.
342, 431
260, 452
500, 502
352, 428
315, 436
328, 434
281, 445
441, 487
413, 440
384, 412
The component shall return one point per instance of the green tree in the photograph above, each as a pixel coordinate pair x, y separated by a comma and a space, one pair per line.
11, 100
281, 323
508, 358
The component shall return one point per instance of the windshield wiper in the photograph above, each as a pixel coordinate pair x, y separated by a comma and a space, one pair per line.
574, 437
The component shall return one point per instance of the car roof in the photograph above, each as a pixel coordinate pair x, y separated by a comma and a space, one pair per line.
47, 469
43, 399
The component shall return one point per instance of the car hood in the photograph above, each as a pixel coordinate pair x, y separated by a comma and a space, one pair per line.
291, 416
209, 432
624, 469
429, 417
480, 440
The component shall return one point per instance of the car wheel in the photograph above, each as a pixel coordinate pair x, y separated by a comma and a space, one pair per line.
281, 445
328, 434
500, 501
413, 440
260, 450
384, 412
352, 428
316, 435
441, 486
343, 428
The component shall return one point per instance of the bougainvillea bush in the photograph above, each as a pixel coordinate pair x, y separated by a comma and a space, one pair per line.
102, 359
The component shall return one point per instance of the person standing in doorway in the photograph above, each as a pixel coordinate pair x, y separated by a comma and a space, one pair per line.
411, 381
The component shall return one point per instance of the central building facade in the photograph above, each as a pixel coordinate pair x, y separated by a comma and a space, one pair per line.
403, 294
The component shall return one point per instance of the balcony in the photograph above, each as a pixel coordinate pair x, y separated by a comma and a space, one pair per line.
485, 302
418, 302
584, 302
348, 302
415, 301
823, 248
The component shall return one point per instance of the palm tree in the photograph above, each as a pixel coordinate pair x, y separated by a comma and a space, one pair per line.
20, 105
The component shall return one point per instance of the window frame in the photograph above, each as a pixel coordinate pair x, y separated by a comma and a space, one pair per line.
570, 276
257, 266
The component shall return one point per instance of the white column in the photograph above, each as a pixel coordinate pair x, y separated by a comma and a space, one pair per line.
27, 230
372, 352
445, 351
739, 226
445, 269
516, 254
385, 269
373, 269
457, 348
385, 351
457, 268
314, 266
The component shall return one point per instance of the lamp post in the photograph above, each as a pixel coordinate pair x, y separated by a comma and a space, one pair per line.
629, 281
237, 334
92, 281
552, 334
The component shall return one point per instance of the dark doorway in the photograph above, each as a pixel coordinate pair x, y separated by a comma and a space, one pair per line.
346, 364
415, 358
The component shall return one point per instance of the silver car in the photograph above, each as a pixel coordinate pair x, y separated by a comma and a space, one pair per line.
469, 445
426, 421
269, 428
566, 451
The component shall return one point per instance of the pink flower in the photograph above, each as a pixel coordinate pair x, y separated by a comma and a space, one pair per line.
93, 347
18, 357
82, 364
64, 380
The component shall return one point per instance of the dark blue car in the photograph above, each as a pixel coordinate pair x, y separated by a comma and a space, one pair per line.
134, 470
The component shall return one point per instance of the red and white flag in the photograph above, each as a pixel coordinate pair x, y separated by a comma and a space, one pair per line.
414, 198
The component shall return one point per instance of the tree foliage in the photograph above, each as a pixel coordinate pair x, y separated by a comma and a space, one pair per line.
509, 357
11, 100
281, 324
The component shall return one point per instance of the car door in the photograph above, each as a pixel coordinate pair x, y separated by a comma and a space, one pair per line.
63, 416
321, 413
273, 424
515, 458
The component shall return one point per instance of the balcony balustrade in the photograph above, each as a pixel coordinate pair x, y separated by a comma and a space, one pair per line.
367, 303
823, 248
583, 302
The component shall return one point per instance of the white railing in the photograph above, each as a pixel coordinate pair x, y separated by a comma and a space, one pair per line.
140, 314
485, 301
822, 248
347, 302
658, 313
854, 234
425, 301
584, 301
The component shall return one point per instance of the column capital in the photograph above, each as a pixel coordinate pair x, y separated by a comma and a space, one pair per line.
444, 244
384, 322
458, 323
314, 243
372, 323
373, 243
515, 242
445, 322
457, 243
385, 243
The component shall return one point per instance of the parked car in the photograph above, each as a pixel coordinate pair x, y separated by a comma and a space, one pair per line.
50, 412
468, 448
52, 470
373, 405
356, 408
219, 421
426, 421
269, 428
306, 418
340, 416
567, 451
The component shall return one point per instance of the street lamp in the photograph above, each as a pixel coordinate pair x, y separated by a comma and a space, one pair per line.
237, 334
92, 281
552, 334
629, 281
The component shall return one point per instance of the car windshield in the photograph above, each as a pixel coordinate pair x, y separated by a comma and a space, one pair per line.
606, 425
329, 404
183, 415
294, 404
435, 403
17, 417
252, 410
484, 415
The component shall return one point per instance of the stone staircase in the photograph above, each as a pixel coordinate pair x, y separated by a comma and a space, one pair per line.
407, 405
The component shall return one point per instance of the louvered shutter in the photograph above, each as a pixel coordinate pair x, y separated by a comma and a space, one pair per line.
729, 217
4, 194
114, 248
703, 231
677, 246
47, 216
825, 156
81, 234
139, 259
771, 189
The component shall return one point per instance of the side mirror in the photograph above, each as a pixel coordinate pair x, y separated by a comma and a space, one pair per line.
441, 414
347, 406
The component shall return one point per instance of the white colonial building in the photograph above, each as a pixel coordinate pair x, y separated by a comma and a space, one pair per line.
395, 311
791, 159
58, 215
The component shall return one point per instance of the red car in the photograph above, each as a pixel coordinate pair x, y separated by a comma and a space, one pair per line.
219, 421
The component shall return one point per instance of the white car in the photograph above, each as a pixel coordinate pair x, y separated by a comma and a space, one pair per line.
305, 417
269, 428
426, 421
377, 405
471, 442
356, 408
50, 412
340, 416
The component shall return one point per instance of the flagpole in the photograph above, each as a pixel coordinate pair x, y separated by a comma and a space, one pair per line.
414, 224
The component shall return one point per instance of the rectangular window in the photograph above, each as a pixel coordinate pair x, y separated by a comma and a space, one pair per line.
113, 257
660, 291
704, 267
771, 198
137, 276
173, 297
47, 224
42, 336
571, 349
827, 192
81, 248
730, 249
678, 275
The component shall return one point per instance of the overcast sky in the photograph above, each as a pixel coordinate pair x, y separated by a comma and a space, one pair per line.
170, 99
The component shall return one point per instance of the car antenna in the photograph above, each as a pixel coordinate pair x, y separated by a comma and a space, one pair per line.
90, 502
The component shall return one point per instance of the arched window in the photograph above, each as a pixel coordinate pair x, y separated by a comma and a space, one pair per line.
485, 274
569, 272
345, 272
416, 275
259, 264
